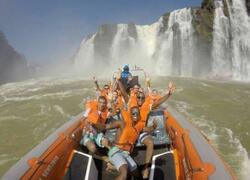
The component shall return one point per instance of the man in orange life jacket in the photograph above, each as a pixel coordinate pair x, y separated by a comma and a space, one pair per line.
116, 102
130, 128
96, 113
101, 92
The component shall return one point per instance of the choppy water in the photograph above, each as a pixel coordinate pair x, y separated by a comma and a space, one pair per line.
31, 110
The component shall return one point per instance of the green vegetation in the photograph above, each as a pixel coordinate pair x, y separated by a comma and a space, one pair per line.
165, 19
208, 4
248, 6
203, 20
226, 10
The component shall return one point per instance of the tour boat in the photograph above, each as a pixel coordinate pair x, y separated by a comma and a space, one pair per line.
181, 151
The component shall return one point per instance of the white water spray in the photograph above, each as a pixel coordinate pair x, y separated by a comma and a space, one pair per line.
221, 65
240, 29
180, 32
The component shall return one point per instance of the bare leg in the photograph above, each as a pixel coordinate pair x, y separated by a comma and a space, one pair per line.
106, 143
91, 147
148, 142
94, 152
123, 170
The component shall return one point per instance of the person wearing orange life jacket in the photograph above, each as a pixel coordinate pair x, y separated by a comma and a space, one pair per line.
155, 95
130, 128
115, 102
96, 113
134, 90
101, 92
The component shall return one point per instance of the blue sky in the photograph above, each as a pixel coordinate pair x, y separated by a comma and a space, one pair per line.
51, 30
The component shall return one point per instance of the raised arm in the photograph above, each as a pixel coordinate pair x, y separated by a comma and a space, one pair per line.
96, 84
170, 91
148, 85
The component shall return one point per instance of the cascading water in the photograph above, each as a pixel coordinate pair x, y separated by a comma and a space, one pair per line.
171, 46
240, 29
122, 46
176, 45
221, 65
169, 52
84, 57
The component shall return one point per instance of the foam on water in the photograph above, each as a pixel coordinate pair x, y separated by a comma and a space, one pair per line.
9, 118
241, 154
60, 110
37, 97
44, 109
222, 138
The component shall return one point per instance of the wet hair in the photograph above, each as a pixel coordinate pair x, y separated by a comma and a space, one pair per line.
106, 85
141, 93
102, 97
116, 92
155, 90
137, 85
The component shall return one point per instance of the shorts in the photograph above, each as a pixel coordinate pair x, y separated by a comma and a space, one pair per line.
120, 157
95, 137
142, 136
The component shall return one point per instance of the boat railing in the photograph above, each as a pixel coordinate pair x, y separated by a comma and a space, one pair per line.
191, 160
191, 169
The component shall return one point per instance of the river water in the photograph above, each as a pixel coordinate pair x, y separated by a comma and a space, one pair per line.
33, 109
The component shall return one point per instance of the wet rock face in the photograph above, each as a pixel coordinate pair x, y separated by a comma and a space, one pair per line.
203, 24
248, 6
208, 4
13, 66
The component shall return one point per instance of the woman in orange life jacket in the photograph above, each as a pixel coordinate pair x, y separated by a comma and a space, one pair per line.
101, 92
96, 113
131, 125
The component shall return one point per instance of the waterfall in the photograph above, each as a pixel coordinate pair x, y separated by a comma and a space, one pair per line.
221, 65
240, 29
176, 45
85, 56
173, 46
122, 48
163, 53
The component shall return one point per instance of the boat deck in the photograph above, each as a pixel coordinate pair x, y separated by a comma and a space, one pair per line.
164, 165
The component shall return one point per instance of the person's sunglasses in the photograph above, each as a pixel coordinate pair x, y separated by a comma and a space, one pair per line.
135, 113
140, 97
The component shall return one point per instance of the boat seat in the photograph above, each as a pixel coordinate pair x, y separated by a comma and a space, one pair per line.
81, 167
163, 167
160, 136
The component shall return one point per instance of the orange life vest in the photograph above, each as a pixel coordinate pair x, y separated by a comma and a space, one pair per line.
119, 104
155, 97
94, 115
146, 105
129, 133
